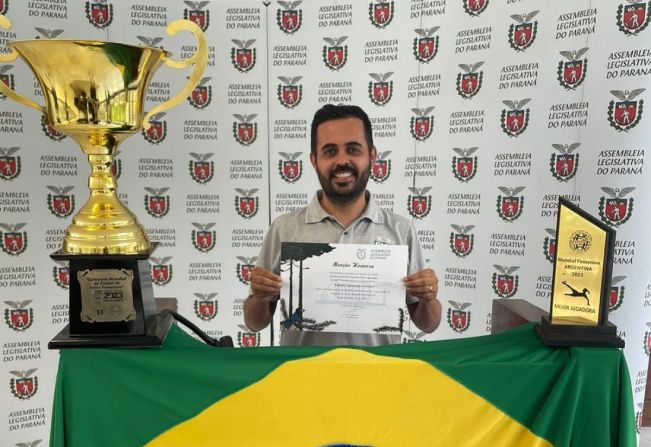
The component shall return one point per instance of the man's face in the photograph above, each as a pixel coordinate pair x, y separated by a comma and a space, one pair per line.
343, 159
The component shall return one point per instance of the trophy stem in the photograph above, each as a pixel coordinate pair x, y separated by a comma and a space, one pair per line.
103, 225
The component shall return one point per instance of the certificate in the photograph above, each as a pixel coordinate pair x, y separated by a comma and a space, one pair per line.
342, 287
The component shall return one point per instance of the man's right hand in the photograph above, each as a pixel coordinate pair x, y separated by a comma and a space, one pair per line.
265, 285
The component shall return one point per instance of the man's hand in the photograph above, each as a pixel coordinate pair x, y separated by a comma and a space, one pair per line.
265, 285
424, 285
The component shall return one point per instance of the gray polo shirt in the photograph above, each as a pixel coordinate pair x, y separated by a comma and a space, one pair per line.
314, 224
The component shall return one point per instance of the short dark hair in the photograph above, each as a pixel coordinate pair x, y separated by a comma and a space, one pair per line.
331, 112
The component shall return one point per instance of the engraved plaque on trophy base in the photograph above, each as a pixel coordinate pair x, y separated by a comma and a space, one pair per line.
111, 303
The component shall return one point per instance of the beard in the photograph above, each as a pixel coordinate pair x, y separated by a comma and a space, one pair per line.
343, 195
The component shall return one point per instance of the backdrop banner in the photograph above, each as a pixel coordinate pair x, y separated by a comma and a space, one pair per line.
484, 113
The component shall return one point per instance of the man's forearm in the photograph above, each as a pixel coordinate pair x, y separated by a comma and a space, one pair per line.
426, 315
257, 313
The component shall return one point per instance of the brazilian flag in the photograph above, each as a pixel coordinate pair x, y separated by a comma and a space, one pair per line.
499, 390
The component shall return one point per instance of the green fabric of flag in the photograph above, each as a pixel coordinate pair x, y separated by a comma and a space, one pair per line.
128, 397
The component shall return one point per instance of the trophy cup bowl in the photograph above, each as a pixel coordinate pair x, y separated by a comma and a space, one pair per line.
94, 92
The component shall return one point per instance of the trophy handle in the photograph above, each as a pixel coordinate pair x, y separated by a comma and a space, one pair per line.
199, 59
5, 23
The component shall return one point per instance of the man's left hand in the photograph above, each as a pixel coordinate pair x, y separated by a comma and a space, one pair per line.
424, 285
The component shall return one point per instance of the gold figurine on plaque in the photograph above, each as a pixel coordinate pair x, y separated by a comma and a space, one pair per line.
94, 92
578, 313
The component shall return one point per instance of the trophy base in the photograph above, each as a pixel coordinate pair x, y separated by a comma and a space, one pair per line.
565, 335
157, 328
111, 303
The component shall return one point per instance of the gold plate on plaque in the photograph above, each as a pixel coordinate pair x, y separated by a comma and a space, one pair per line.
106, 295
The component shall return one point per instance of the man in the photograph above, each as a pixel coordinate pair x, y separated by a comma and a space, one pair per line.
342, 155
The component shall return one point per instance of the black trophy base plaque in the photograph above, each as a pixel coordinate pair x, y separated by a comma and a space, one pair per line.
111, 303
564, 335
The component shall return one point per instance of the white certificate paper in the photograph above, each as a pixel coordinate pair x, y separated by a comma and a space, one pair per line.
342, 287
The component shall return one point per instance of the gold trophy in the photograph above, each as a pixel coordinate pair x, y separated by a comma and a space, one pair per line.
94, 92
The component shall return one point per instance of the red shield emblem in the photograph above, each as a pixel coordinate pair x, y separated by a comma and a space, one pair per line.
464, 167
248, 339
564, 166
61, 277
419, 205
201, 96
469, 84
515, 120
459, 320
201, 171
203, 240
505, 285
8, 80
290, 95
161, 274
116, 168
522, 35
549, 249
205, 309
157, 206
245, 133
289, 20
14, 243
632, 18
647, 343
335, 57
244, 272
290, 170
625, 113
573, 73
475, 7
426, 48
616, 209
60, 205
381, 14
156, 133
24, 388
421, 127
510, 208
201, 18
50, 131
100, 15
381, 92
9, 167
243, 59
20, 319
4, 6
248, 207
380, 170
462, 244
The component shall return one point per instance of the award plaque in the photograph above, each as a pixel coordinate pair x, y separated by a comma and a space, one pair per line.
578, 312
94, 92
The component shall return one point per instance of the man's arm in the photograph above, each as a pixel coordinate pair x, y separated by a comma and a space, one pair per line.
260, 305
426, 313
